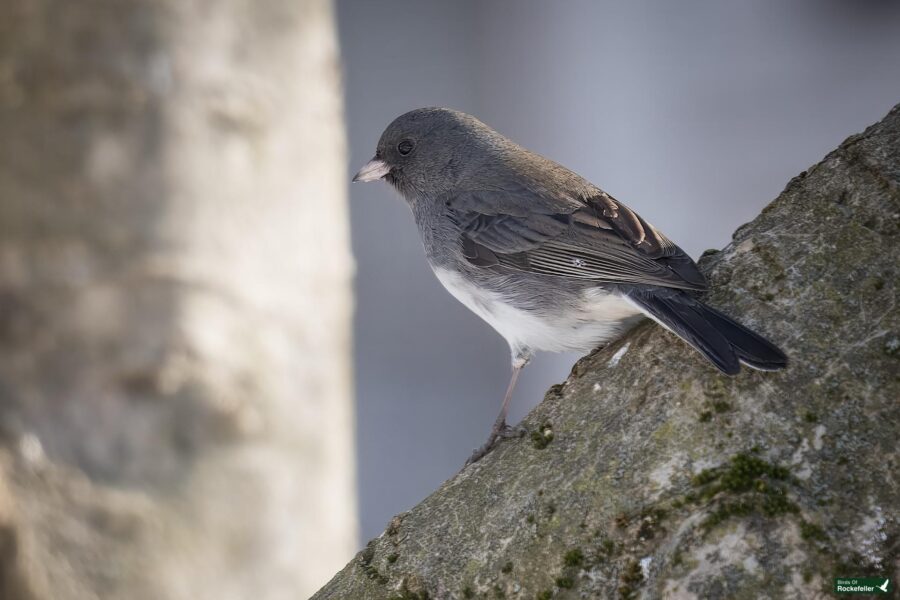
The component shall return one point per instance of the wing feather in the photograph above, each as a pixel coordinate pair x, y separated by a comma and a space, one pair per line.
596, 239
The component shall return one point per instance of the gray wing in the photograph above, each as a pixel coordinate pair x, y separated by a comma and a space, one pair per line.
596, 239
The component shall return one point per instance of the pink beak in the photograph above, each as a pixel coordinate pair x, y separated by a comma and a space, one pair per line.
373, 170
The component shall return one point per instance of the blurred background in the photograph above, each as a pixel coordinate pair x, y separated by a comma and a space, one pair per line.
190, 405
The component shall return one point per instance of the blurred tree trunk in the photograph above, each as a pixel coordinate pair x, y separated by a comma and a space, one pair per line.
174, 300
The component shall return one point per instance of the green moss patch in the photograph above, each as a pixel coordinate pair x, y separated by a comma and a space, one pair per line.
573, 558
631, 578
812, 532
542, 436
364, 560
607, 548
746, 485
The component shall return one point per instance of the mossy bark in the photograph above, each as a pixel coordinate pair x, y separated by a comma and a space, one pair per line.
663, 478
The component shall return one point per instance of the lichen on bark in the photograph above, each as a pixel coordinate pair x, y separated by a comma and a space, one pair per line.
662, 478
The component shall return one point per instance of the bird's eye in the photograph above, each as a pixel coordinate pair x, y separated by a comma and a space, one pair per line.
405, 147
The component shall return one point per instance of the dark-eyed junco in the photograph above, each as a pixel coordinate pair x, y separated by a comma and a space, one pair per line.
548, 259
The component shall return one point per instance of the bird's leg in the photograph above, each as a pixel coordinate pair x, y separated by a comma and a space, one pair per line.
501, 429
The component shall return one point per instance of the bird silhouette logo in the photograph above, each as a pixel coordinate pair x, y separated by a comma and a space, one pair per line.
884, 586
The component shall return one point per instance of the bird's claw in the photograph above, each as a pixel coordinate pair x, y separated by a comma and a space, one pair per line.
508, 432
480, 453
498, 433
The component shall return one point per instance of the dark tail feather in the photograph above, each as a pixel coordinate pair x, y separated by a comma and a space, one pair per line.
752, 349
723, 341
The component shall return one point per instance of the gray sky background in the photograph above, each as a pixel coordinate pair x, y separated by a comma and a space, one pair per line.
695, 114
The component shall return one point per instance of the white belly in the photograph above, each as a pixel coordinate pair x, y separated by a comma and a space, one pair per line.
602, 317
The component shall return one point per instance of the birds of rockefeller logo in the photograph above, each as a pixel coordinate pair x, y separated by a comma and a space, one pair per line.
862, 585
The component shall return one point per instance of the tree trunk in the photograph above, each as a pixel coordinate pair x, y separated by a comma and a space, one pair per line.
174, 300
649, 475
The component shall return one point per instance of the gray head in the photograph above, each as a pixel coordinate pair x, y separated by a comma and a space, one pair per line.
429, 150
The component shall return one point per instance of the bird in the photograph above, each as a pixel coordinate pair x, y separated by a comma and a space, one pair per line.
551, 261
